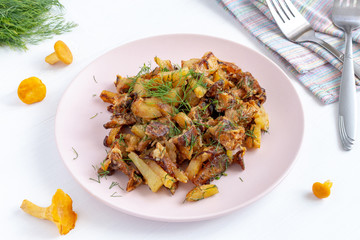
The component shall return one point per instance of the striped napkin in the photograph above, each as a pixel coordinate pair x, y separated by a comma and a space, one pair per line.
317, 70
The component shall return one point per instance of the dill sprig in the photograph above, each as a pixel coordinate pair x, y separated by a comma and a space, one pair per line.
25, 22
143, 70
163, 90
76, 153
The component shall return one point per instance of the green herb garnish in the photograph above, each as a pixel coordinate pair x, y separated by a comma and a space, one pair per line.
25, 22
95, 180
76, 153
94, 115
114, 195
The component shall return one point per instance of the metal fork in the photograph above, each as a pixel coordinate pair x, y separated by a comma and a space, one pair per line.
297, 29
346, 15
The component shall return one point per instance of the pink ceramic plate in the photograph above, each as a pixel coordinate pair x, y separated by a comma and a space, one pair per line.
81, 115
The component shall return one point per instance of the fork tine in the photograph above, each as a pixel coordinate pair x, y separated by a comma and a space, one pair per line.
280, 11
292, 9
274, 12
284, 8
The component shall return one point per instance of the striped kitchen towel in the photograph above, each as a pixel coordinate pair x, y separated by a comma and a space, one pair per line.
316, 69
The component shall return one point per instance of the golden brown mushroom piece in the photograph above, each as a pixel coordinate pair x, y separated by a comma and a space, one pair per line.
59, 212
62, 53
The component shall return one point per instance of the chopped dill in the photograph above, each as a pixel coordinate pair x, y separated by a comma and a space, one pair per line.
143, 70
76, 153
95, 180
115, 195
251, 133
95, 79
241, 179
174, 130
113, 184
94, 116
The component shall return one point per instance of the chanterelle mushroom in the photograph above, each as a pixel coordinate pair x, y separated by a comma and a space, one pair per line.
62, 53
60, 211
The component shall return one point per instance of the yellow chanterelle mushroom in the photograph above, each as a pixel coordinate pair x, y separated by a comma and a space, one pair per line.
62, 53
60, 211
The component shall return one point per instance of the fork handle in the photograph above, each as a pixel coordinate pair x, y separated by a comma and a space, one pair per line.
347, 97
339, 55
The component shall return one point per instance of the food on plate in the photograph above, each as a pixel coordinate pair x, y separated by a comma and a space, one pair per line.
59, 212
322, 190
176, 124
31, 90
62, 53
201, 192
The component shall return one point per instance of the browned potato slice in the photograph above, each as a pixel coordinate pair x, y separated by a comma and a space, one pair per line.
201, 192
164, 64
146, 108
138, 130
167, 180
108, 96
195, 165
177, 77
190, 63
198, 89
139, 87
152, 179
122, 84
183, 120
180, 175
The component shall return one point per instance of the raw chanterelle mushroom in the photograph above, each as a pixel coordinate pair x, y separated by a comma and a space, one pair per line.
62, 53
60, 211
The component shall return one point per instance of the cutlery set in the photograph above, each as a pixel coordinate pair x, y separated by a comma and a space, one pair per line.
346, 16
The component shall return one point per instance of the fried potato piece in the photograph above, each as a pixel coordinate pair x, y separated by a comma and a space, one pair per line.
161, 155
146, 108
138, 130
152, 179
183, 120
261, 120
201, 192
122, 84
195, 164
164, 64
166, 179
108, 96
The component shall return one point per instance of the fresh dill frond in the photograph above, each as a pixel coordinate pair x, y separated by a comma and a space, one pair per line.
173, 130
94, 116
250, 133
76, 153
115, 195
25, 22
161, 91
143, 70
95, 180
113, 184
